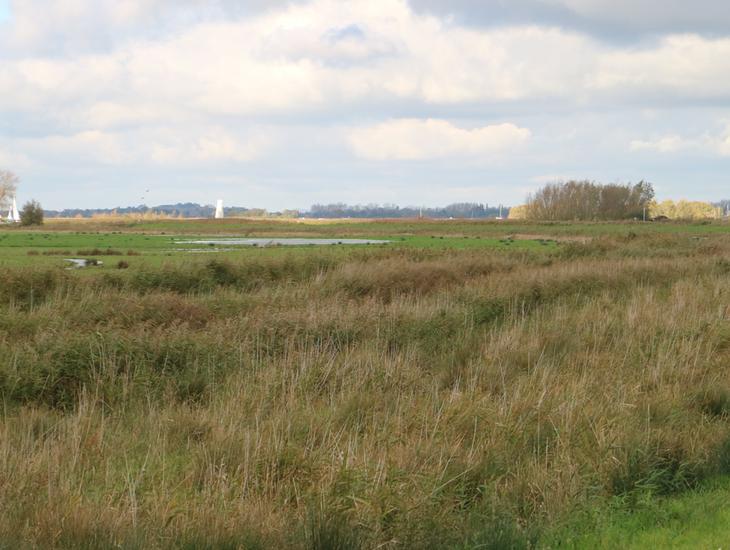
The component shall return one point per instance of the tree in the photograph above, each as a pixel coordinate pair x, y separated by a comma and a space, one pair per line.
587, 200
686, 210
518, 212
8, 185
31, 214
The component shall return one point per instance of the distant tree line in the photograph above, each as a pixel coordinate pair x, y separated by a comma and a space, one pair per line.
573, 200
182, 210
455, 210
588, 200
336, 210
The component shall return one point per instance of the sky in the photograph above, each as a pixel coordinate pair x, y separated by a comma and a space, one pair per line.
276, 104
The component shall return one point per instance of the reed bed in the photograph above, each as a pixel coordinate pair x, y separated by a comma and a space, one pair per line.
389, 398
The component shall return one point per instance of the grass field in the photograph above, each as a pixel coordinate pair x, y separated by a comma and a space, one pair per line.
348, 227
467, 385
166, 242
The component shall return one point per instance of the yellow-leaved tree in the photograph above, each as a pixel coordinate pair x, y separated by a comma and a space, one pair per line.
518, 212
685, 210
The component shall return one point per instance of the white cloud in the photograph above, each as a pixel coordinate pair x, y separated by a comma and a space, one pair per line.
650, 13
717, 144
13, 161
721, 143
607, 18
326, 54
680, 66
55, 27
414, 139
666, 144
215, 145
88, 146
180, 147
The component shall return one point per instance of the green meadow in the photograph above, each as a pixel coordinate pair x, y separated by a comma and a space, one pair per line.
466, 385
151, 245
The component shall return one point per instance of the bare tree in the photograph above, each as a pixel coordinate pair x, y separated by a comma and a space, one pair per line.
8, 185
588, 200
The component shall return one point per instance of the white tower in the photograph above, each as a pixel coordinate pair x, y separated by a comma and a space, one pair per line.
219, 210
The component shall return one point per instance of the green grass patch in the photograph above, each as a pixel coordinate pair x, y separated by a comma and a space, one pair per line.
696, 519
43, 248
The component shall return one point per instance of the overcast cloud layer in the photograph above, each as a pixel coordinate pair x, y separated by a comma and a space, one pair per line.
282, 104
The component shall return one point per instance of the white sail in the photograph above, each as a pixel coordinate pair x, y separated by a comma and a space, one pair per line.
13, 214
14, 211
219, 209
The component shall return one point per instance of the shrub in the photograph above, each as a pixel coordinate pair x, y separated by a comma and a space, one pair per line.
31, 214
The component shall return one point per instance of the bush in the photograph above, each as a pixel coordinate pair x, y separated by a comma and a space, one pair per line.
31, 214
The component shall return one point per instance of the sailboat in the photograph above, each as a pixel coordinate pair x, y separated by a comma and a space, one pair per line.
13, 214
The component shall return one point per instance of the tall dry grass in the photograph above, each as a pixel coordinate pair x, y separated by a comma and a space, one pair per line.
385, 399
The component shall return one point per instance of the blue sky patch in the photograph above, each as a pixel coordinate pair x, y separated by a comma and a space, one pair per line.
4, 10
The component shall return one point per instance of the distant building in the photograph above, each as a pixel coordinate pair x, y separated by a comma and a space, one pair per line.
219, 210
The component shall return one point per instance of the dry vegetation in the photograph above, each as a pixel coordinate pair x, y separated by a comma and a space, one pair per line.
389, 398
